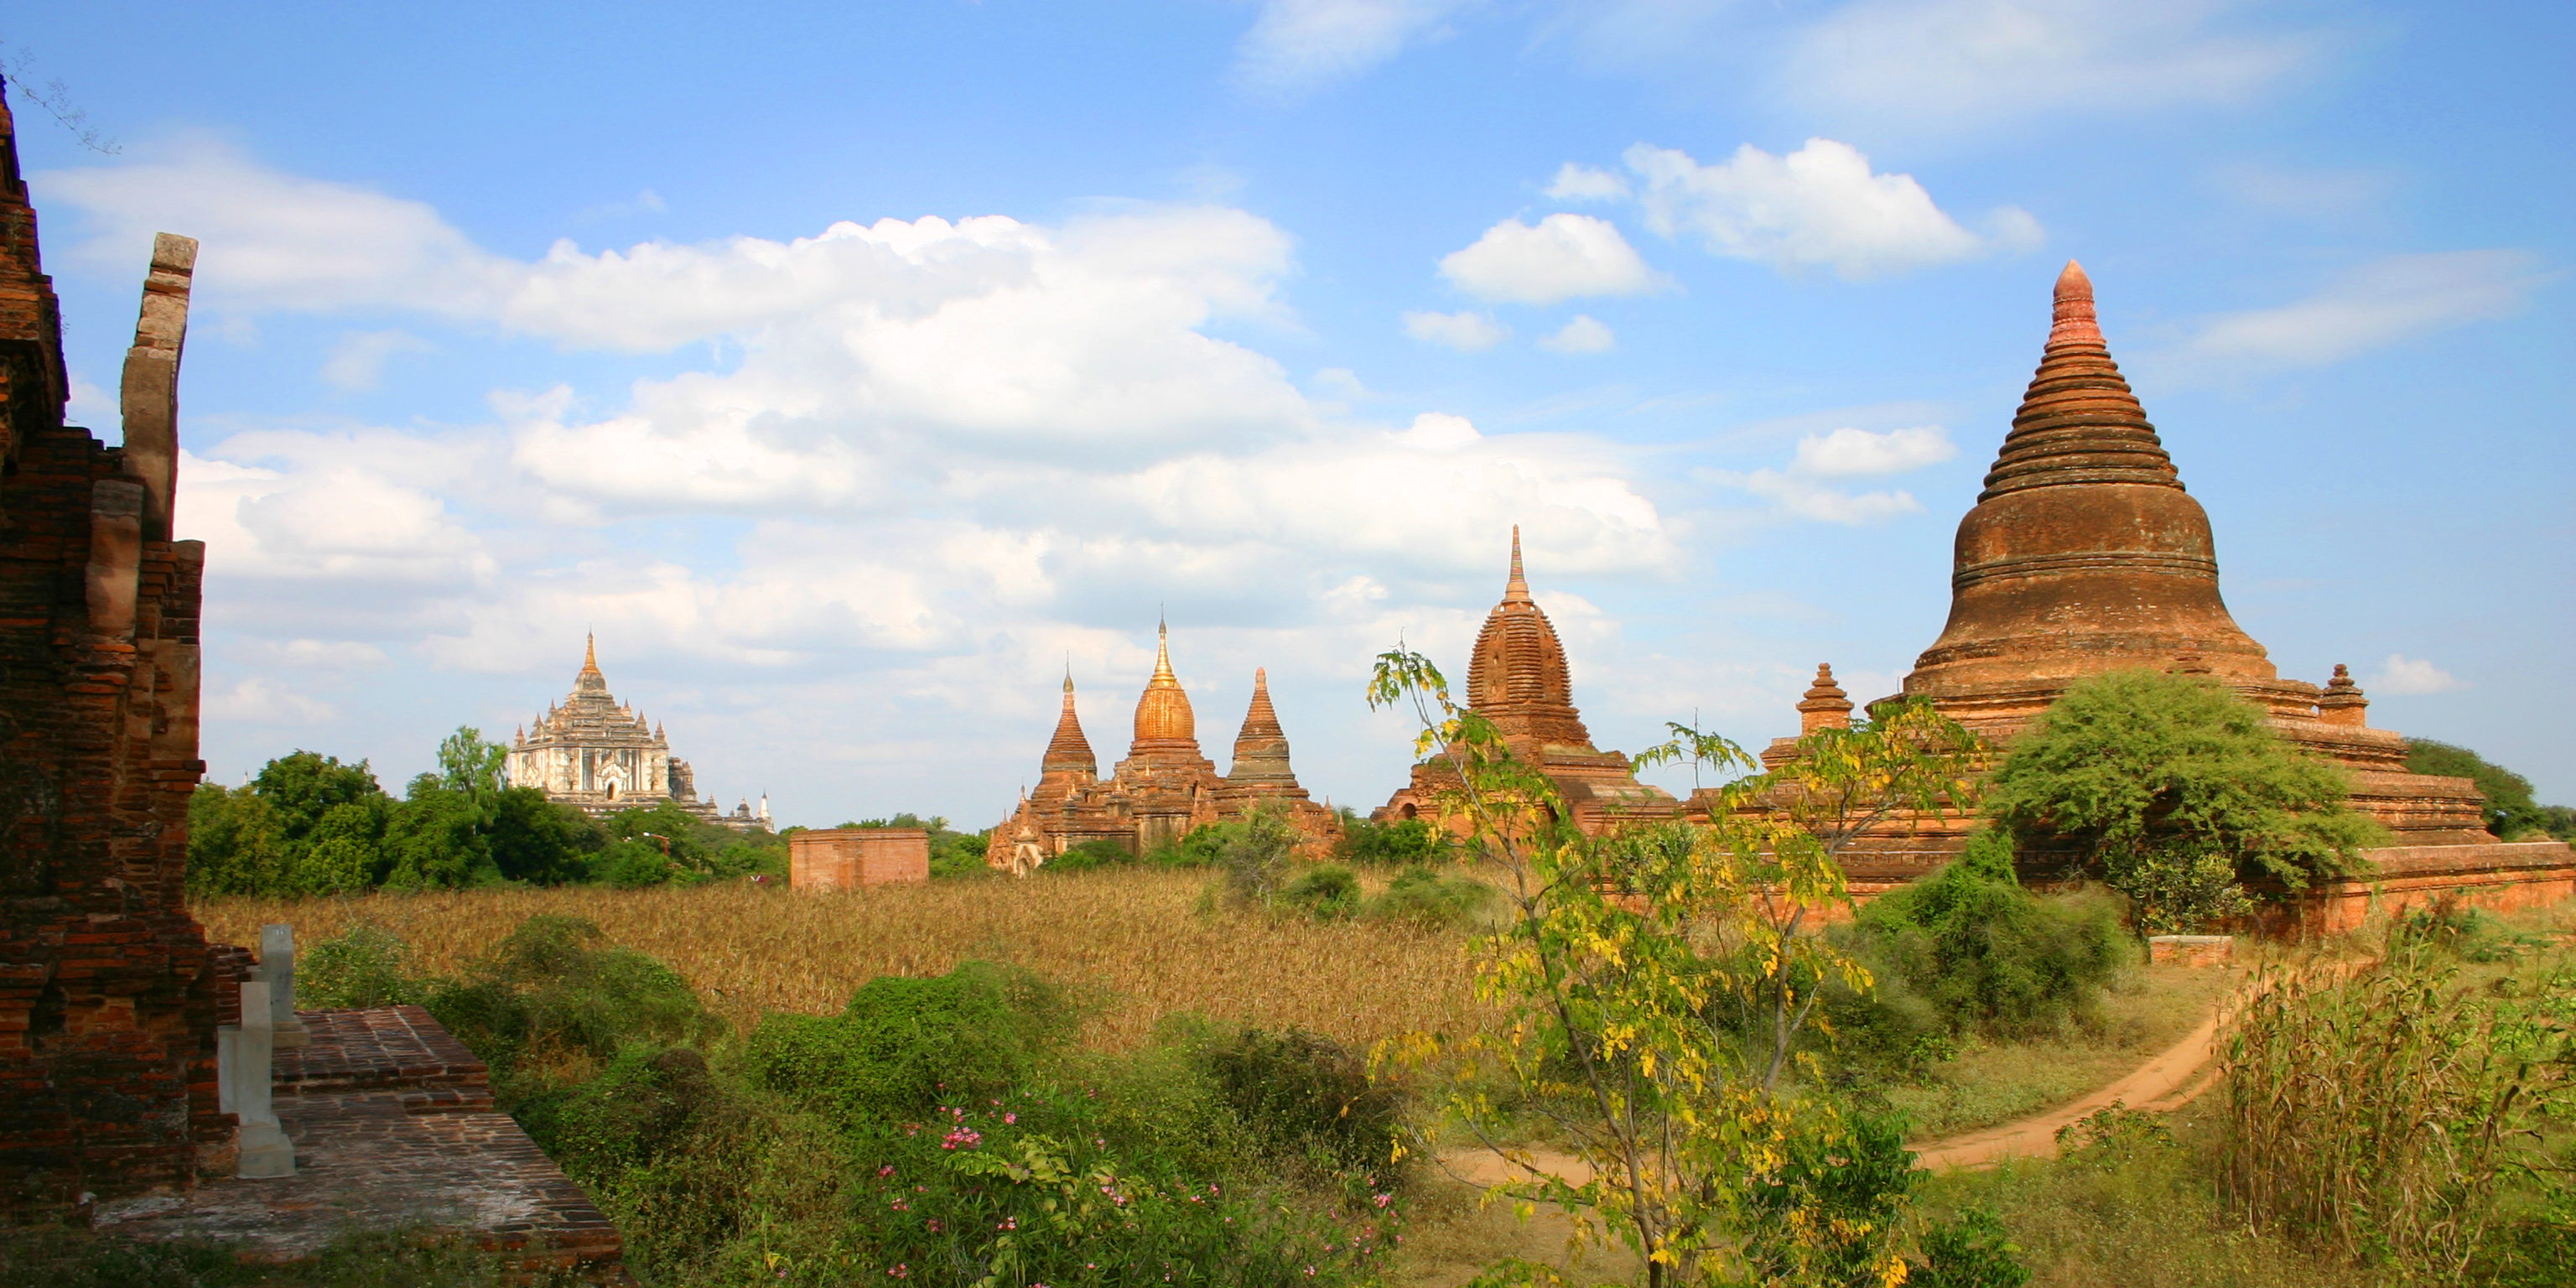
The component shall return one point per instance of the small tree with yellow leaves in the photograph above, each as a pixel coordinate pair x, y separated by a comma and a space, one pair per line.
1655, 984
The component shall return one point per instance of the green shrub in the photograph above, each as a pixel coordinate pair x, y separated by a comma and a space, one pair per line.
372, 1259
639, 1110
905, 1045
1972, 947
552, 982
1327, 892
1970, 1251
1399, 843
1305, 1096
1423, 897
1833, 1204
1089, 855
1252, 857
2178, 793
364, 965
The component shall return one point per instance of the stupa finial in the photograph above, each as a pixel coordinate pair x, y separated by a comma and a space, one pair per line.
2073, 320
1516, 591
589, 651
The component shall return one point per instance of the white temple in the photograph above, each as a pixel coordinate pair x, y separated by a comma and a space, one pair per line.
599, 756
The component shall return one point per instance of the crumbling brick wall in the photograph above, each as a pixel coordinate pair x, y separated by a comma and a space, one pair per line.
107, 990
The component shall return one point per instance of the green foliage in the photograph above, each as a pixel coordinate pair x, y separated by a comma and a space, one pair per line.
2384, 1112
1397, 843
362, 966
1091, 854
1305, 1096
2180, 794
1431, 900
2511, 813
1655, 983
2113, 1137
1326, 892
1200, 848
1253, 855
309, 825
904, 1044
555, 983
1968, 947
1971, 1251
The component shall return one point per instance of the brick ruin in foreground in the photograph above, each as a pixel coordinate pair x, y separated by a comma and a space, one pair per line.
110, 996
107, 986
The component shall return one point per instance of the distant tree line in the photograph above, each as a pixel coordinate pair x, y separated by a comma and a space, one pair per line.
308, 824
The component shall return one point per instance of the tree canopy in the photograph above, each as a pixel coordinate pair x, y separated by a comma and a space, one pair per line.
2180, 794
2511, 812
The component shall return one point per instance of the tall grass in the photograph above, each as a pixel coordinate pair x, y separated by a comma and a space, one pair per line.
2381, 1113
1135, 933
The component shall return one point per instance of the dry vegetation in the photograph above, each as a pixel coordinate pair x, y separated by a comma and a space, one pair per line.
1137, 934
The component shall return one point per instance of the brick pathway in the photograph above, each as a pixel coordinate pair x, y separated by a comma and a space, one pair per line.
393, 1127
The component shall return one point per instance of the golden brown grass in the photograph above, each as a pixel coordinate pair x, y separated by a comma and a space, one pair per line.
1133, 932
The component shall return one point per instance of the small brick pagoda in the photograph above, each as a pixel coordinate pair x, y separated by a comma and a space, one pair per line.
2085, 555
1518, 679
1164, 788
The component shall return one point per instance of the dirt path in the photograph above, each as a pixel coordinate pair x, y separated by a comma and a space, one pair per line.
2170, 1080
2161, 1085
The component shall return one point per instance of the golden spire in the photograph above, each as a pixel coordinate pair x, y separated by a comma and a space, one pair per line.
1163, 676
1517, 590
590, 653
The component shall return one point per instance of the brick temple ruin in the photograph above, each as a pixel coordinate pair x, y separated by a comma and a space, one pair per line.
1164, 788
2083, 555
113, 1112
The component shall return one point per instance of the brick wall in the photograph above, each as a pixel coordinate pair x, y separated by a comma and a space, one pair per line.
107, 999
847, 858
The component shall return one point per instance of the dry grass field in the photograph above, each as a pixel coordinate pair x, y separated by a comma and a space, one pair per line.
1134, 934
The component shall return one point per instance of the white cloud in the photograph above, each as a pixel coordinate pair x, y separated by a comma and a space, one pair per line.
2404, 676
1580, 334
1817, 207
1559, 258
1583, 183
1806, 488
2367, 307
359, 360
1467, 331
1850, 453
263, 701
1962, 65
1298, 46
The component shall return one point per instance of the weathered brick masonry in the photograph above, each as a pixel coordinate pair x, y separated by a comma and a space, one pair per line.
107, 987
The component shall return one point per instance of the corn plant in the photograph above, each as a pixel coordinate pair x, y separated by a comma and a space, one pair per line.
2382, 1112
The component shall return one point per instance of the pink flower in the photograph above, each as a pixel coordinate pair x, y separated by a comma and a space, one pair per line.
887, 1170
1011, 1118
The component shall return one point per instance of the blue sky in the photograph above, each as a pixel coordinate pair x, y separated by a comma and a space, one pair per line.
852, 369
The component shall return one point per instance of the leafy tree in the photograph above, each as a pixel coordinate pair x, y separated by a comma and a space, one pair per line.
436, 839
2511, 813
1655, 984
348, 850
236, 842
1392, 844
539, 842
2181, 794
302, 786
466, 763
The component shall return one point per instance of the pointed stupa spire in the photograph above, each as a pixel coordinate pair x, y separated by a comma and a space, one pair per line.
1516, 591
1261, 750
2083, 553
1068, 752
589, 651
1517, 677
1163, 712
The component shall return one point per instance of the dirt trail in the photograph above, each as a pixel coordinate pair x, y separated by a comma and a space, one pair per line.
2164, 1083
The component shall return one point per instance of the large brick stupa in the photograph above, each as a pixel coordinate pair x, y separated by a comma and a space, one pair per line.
2083, 555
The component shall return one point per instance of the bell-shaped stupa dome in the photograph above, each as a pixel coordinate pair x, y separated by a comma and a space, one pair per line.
1518, 678
1163, 712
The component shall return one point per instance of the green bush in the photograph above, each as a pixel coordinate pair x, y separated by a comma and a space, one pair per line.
906, 1045
2510, 811
1089, 855
1968, 947
1252, 857
1327, 892
362, 966
1426, 898
553, 982
1394, 844
2178, 793
1305, 1096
